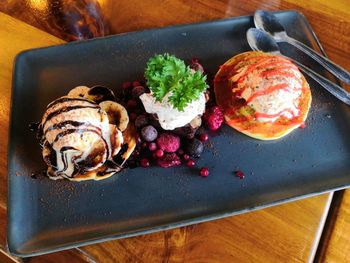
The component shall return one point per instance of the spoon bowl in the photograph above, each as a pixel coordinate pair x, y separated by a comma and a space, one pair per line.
259, 40
266, 21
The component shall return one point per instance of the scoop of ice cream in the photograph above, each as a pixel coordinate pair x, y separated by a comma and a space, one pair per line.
170, 117
80, 137
272, 91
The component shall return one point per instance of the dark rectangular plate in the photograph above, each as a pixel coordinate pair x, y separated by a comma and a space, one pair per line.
46, 216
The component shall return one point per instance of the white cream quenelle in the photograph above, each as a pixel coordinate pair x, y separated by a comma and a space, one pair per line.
169, 117
83, 133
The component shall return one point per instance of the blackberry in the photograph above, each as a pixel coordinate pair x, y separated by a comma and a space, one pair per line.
194, 147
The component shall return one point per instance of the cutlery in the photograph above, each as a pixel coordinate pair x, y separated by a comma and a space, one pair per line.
269, 23
260, 40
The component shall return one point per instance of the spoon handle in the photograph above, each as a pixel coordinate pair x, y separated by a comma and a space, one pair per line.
335, 69
333, 88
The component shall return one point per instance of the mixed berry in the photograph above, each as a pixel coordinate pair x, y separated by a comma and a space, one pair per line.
164, 148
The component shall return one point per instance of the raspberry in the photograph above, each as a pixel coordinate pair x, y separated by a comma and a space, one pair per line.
213, 118
168, 160
168, 142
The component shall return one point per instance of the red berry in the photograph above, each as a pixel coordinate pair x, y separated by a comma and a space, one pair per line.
152, 146
214, 118
169, 160
168, 142
203, 137
204, 171
180, 152
190, 163
159, 153
136, 83
144, 162
133, 116
131, 104
126, 85
137, 91
186, 156
239, 174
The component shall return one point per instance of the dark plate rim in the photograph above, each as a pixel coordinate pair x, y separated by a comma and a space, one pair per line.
14, 251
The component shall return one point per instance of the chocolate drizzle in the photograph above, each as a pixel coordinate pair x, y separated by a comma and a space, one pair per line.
64, 157
81, 145
67, 109
76, 124
65, 99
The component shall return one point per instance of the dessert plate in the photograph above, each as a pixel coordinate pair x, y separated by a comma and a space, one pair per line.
46, 216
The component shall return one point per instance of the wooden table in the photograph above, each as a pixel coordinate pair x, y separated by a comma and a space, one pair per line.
293, 232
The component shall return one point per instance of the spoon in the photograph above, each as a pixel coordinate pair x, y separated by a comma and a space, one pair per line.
269, 23
259, 40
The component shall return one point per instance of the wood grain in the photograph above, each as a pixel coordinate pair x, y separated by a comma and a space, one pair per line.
329, 19
283, 233
336, 247
15, 37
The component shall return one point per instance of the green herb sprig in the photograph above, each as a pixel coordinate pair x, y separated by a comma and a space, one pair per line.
166, 73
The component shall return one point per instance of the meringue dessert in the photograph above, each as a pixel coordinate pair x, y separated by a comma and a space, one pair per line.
86, 135
263, 96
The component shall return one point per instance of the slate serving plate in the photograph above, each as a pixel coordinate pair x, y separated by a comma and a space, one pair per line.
46, 216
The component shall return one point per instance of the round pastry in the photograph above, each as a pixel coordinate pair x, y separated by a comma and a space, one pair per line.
263, 96
86, 135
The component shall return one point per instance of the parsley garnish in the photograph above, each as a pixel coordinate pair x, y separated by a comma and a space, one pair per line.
166, 73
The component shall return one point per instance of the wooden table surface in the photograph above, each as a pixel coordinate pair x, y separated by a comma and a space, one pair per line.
293, 232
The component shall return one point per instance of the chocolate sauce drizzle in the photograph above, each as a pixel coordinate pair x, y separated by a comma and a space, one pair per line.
65, 99
76, 124
67, 127
67, 109
70, 131
64, 157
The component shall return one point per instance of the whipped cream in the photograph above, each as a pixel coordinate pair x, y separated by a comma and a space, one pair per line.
169, 117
